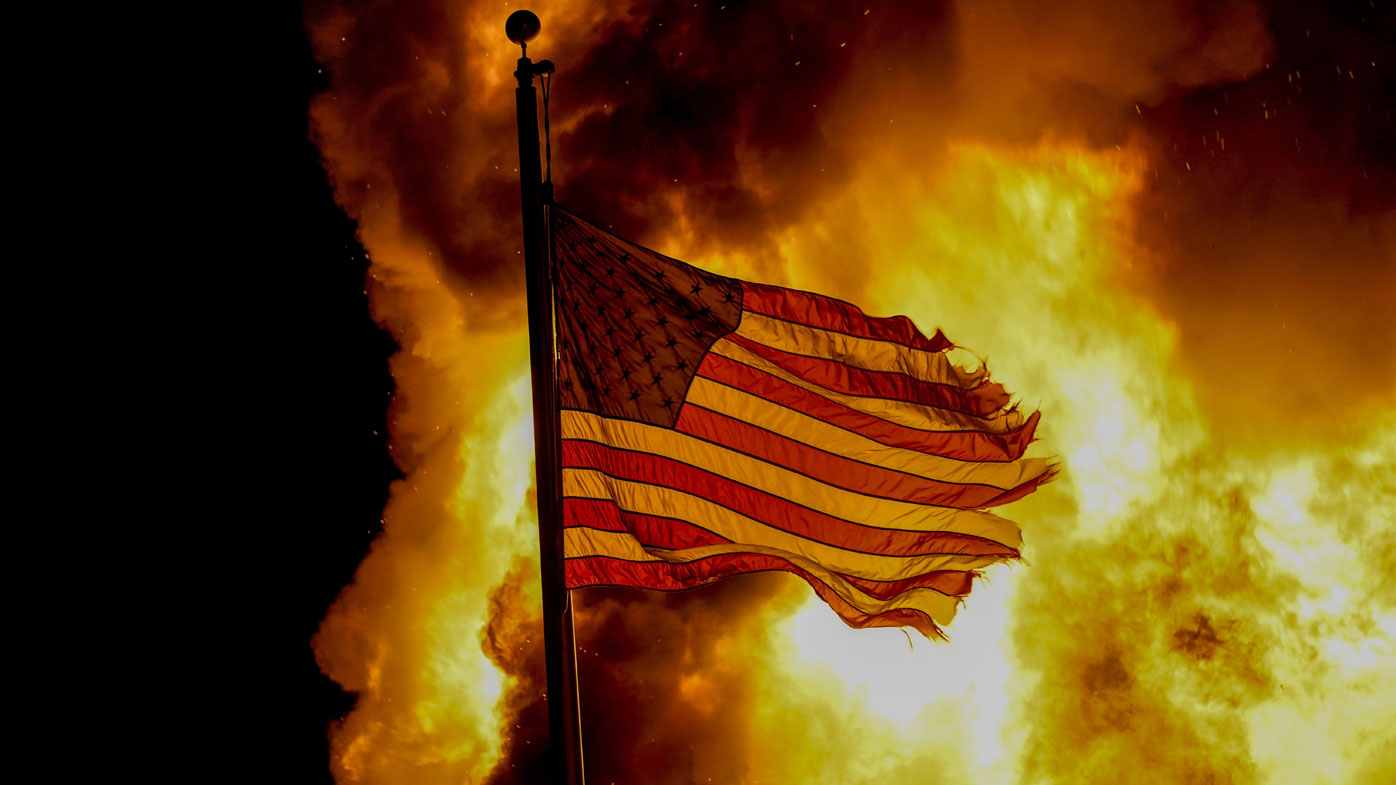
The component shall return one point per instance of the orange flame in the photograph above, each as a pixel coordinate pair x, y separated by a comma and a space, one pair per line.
1201, 604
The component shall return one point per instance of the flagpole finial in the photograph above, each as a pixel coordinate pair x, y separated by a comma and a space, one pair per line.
522, 26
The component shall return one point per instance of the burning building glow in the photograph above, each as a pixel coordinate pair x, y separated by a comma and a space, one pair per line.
1131, 211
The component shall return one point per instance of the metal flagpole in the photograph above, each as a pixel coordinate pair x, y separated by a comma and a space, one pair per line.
564, 725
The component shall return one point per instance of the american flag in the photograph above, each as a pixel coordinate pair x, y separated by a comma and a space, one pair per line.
712, 427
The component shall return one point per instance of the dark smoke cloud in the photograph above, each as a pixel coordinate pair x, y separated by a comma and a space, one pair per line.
727, 107
1272, 214
408, 130
664, 700
731, 107
1078, 68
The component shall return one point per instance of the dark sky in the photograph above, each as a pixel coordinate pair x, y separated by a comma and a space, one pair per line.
328, 379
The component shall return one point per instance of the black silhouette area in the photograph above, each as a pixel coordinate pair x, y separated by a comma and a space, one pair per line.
632, 324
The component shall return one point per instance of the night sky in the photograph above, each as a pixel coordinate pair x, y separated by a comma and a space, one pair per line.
329, 389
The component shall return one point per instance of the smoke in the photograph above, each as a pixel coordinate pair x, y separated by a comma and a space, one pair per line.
1272, 211
736, 108
779, 140
1080, 67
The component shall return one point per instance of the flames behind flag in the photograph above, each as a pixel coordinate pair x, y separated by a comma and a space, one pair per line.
1172, 222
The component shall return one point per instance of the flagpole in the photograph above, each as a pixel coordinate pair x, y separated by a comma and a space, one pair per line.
564, 725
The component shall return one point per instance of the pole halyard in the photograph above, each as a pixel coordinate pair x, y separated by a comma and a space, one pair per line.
564, 725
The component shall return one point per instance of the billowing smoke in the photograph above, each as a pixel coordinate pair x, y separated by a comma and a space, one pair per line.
1188, 204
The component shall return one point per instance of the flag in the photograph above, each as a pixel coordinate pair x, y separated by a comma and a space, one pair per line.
712, 427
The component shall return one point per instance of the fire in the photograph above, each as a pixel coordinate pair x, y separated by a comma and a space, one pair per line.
407, 635
1151, 593
1039, 228
1198, 605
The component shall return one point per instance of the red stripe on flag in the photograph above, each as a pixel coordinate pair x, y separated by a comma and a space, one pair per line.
651, 530
827, 313
837, 470
770, 509
839, 377
960, 445
956, 583
664, 576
